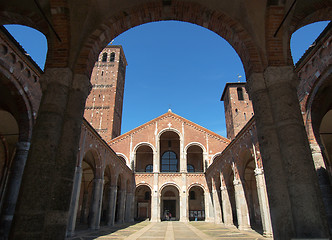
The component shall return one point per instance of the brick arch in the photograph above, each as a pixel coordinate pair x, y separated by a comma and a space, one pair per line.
196, 185
23, 106
96, 165
144, 144
219, 22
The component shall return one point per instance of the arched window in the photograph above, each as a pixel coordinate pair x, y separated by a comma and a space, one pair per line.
192, 195
240, 93
149, 168
104, 58
190, 168
112, 57
169, 162
147, 195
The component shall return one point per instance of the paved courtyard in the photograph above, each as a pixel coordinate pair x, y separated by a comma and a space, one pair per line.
168, 231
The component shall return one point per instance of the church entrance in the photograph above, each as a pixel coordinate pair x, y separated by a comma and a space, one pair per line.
170, 209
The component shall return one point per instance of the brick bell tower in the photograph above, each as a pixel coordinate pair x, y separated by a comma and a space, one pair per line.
238, 107
104, 104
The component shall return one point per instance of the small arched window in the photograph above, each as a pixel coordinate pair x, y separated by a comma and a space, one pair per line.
190, 168
149, 168
112, 57
169, 162
240, 94
104, 58
192, 195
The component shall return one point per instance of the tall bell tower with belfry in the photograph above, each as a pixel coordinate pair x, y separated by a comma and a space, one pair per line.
238, 107
104, 105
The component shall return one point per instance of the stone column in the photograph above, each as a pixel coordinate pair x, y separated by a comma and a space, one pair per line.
241, 205
122, 206
156, 162
85, 205
209, 211
112, 206
295, 202
155, 201
74, 201
183, 195
13, 187
216, 203
96, 203
226, 203
129, 207
263, 203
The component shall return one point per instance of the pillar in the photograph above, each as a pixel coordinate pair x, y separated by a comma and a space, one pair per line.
112, 206
155, 200
294, 197
74, 201
226, 203
13, 187
263, 203
209, 211
241, 205
50, 166
122, 206
216, 203
96, 203
183, 198
129, 207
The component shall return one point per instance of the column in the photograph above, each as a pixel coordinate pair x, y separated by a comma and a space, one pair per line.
156, 161
216, 203
209, 211
96, 203
296, 206
263, 203
226, 203
241, 205
129, 208
155, 201
122, 206
112, 206
74, 202
13, 187
183, 195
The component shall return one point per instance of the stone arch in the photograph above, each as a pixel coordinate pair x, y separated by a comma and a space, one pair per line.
169, 194
94, 160
196, 185
121, 155
143, 195
195, 157
196, 202
143, 158
170, 130
195, 144
227, 27
144, 144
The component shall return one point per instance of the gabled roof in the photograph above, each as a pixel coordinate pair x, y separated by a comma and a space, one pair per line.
170, 114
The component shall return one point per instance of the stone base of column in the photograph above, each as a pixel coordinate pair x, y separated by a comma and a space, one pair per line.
267, 235
155, 220
244, 228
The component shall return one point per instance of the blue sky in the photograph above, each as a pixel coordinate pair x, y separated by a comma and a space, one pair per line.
174, 65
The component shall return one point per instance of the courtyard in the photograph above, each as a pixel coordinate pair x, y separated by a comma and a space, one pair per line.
168, 230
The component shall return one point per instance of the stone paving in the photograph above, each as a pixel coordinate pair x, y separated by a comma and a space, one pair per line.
168, 231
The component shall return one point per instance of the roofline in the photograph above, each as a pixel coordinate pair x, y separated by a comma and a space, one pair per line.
164, 115
227, 85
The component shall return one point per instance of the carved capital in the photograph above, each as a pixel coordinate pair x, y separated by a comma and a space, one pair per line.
255, 83
22, 146
82, 83
62, 76
280, 75
258, 171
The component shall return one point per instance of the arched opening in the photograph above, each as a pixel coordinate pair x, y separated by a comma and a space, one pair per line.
250, 188
196, 204
144, 159
325, 132
142, 203
170, 204
169, 152
9, 133
86, 191
194, 159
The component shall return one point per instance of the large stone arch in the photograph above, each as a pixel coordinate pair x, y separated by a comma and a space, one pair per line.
219, 22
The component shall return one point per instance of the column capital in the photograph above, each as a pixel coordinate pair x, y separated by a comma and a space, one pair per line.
82, 83
236, 182
223, 188
258, 171
62, 76
279, 75
22, 146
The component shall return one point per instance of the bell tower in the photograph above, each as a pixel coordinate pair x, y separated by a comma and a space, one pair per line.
238, 107
104, 104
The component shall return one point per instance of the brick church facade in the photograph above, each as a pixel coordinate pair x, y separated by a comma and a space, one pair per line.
264, 176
